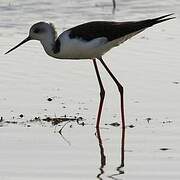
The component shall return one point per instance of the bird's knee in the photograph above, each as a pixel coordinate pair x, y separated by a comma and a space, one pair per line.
120, 88
102, 93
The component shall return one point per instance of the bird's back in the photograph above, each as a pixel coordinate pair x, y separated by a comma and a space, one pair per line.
112, 30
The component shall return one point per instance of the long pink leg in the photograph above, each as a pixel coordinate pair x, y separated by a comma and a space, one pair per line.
121, 91
102, 93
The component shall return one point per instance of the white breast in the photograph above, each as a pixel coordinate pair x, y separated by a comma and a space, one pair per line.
79, 48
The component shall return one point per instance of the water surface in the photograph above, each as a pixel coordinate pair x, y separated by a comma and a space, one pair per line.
148, 67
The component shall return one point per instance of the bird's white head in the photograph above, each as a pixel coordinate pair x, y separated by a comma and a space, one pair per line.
41, 31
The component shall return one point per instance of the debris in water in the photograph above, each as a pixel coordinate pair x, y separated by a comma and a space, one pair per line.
115, 124
175, 82
148, 119
49, 99
56, 120
131, 126
164, 149
21, 115
1, 119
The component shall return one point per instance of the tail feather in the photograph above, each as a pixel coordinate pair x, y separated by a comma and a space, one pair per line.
129, 29
159, 19
162, 17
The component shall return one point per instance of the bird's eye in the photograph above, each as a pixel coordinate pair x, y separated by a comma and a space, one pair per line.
36, 30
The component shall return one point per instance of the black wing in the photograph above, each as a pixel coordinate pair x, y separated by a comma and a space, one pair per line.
112, 30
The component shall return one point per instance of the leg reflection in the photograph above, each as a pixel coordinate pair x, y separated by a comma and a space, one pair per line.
119, 169
103, 157
122, 146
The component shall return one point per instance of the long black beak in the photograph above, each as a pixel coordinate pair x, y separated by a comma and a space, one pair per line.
24, 41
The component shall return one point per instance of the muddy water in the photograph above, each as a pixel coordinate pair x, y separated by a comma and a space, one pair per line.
148, 67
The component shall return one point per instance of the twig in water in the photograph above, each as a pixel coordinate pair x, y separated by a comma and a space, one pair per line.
60, 132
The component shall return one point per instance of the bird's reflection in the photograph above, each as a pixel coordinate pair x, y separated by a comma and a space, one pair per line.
102, 155
103, 162
119, 169
122, 147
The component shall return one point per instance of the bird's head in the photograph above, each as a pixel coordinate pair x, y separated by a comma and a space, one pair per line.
38, 31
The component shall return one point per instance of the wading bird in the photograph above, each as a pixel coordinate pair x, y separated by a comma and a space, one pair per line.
90, 41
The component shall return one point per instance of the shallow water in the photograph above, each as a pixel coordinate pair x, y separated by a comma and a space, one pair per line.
148, 67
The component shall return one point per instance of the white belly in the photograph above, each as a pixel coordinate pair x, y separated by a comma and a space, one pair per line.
81, 49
